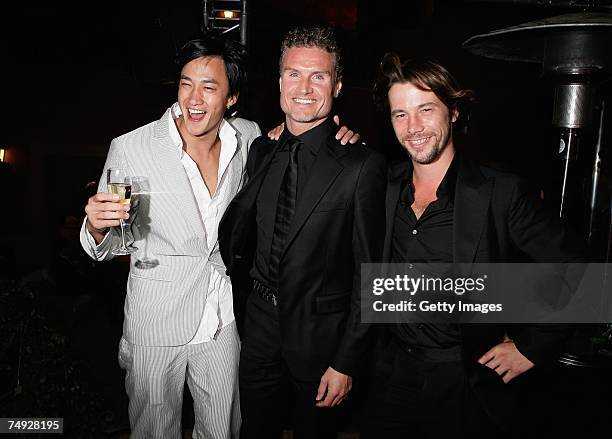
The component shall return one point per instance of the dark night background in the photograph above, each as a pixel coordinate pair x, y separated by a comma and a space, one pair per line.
76, 76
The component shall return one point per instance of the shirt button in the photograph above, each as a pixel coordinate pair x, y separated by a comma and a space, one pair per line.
414, 231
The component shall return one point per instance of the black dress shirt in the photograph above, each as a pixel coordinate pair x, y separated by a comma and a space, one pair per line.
428, 239
311, 142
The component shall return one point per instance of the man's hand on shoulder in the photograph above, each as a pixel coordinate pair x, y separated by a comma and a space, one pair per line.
333, 388
506, 360
344, 134
275, 133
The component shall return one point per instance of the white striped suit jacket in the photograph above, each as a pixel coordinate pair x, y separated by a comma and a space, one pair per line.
164, 303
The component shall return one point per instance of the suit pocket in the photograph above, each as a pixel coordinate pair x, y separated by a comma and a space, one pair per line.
327, 206
158, 272
333, 303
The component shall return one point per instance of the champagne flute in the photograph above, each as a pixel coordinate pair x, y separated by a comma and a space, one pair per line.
120, 184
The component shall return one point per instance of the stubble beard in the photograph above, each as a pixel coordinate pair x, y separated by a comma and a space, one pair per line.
430, 156
302, 117
433, 154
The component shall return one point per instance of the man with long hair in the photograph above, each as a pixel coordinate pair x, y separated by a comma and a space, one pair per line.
445, 379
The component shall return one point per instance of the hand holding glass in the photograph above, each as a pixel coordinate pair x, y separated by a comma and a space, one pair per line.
120, 184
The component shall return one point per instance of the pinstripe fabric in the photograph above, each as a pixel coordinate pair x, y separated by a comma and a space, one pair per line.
212, 376
156, 391
164, 303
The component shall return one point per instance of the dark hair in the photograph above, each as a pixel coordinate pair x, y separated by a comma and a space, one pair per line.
233, 54
426, 74
313, 36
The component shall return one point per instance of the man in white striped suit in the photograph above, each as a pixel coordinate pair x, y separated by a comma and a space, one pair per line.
179, 322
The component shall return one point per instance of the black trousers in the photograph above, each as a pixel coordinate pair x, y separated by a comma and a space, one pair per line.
414, 398
267, 387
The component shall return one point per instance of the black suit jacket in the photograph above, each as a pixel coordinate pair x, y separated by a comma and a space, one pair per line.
339, 223
497, 218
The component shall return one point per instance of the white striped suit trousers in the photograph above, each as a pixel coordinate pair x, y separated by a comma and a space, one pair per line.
155, 378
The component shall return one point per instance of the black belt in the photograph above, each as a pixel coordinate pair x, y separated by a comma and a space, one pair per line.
433, 355
267, 294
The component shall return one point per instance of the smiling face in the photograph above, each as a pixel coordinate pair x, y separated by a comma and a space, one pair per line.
421, 121
307, 87
203, 97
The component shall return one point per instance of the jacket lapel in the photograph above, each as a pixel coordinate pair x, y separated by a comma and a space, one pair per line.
260, 175
253, 184
232, 179
262, 163
393, 192
472, 199
324, 171
237, 227
174, 180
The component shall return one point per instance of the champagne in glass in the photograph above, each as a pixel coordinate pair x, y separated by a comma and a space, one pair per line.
124, 190
119, 183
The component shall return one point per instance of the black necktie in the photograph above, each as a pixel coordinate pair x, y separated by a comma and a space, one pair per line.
285, 208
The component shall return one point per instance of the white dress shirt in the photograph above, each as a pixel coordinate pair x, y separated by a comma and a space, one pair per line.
219, 308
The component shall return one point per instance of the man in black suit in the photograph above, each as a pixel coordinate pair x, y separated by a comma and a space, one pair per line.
451, 380
293, 240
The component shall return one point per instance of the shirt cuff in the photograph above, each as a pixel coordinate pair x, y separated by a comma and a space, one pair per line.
97, 251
